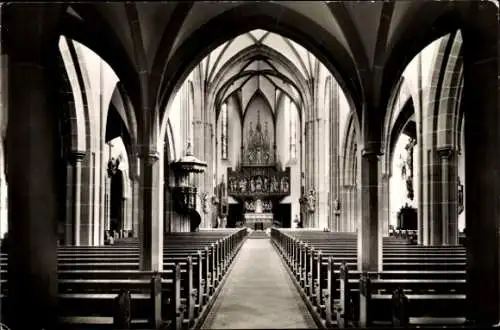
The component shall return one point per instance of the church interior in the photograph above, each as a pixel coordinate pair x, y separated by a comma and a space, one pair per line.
235, 165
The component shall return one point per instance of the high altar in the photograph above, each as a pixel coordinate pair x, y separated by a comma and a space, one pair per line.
259, 218
258, 183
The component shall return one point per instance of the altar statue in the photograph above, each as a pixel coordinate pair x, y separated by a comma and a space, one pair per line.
243, 185
258, 157
249, 206
258, 184
234, 184
284, 184
274, 185
258, 206
265, 187
252, 185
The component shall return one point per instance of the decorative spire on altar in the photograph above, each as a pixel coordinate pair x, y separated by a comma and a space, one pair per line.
258, 151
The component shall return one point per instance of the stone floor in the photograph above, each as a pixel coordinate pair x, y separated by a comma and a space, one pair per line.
258, 294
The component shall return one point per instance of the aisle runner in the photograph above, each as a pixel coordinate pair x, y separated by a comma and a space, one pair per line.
258, 294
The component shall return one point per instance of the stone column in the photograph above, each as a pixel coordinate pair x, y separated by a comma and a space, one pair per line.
123, 214
335, 189
73, 198
453, 202
421, 228
85, 231
482, 162
150, 228
344, 209
352, 206
32, 175
347, 209
448, 224
434, 201
107, 201
69, 225
135, 204
384, 210
369, 240
128, 205
3, 205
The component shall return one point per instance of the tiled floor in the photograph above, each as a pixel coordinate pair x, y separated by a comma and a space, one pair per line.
258, 293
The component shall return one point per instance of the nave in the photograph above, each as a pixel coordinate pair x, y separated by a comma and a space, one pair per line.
244, 279
258, 293
141, 143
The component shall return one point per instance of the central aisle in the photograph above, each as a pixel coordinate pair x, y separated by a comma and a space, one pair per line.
258, 293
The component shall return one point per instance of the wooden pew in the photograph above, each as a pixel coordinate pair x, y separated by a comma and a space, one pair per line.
424, 277
424, 307
91, 301
97, 277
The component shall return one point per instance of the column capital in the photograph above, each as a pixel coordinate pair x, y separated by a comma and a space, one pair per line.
150, 157
446, 152
369, 151
76, 156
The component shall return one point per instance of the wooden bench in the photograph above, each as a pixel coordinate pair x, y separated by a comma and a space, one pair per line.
91, 277
428, 274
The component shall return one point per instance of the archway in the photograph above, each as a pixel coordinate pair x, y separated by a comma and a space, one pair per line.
118, 216
115, 196
403, 170
403, 203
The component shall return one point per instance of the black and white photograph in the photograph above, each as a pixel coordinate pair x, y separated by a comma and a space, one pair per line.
190, 165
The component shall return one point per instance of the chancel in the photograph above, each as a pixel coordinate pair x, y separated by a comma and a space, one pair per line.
249, 165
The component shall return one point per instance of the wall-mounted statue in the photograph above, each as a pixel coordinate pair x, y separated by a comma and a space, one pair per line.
461, 206
336, 205
311, 201
206, 203
113, 166
407, 168
215, 197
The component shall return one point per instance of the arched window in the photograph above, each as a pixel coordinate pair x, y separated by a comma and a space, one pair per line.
223, 138
293, 130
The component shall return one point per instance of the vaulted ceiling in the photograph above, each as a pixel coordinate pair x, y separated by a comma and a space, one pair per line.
261, 71
153, 46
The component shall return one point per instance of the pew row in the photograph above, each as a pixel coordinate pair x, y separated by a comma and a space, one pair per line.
325, 267
92, 280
